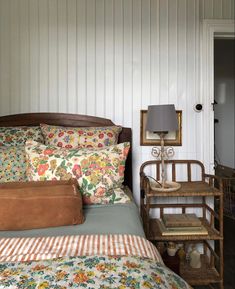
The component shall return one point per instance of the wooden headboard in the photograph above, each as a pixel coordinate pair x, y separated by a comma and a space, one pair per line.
66, 119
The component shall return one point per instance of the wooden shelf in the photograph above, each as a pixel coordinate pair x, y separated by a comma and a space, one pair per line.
201, 276
208, 273
155, 233
188, 189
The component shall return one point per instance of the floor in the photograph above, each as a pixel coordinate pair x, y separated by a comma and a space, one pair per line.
229, 254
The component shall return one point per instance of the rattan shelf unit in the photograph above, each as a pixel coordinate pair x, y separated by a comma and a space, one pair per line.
211, 271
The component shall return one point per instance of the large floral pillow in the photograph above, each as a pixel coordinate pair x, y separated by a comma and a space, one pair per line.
99, 171
15, 136
12, 164
80, 137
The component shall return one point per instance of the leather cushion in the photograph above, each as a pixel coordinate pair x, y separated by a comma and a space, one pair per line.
31, 205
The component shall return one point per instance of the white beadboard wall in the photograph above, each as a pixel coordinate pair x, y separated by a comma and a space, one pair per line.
217, 9
109, 58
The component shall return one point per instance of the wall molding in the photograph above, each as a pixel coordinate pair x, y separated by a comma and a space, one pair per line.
210, 28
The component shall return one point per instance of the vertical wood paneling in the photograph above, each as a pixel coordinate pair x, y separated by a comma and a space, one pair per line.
4, 56
172, 86
217, 9
145, 60
43, 55
72, 56
181, 67
34, 57
62, 56
14, 59
127, 66
201, 9
109, 58
198, 98
118, 61
191, 76
208, 9
53, 56
145, 52
100, 59
227, 9
24, 56
81, 56
155, 69
163, 62
232, 15
136, 20
76, 55
91, 61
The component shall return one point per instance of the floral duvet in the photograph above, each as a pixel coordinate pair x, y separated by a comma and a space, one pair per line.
89, 272
108, 261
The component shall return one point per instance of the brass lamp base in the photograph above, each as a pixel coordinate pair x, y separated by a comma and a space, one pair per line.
168, 186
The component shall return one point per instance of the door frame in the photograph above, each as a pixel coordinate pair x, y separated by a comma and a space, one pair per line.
210, 29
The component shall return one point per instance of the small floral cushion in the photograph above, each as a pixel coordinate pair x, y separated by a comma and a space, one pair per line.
15, 136
114, 196
98, 171
80, 137
12, 164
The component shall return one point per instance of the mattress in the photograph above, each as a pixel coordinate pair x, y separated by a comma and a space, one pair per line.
100, 219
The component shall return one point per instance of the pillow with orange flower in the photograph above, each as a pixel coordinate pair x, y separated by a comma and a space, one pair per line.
80, 137
100, 172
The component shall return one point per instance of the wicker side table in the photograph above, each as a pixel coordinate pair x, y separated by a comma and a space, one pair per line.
211, 271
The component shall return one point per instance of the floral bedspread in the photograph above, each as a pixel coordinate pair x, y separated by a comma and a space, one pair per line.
89, 272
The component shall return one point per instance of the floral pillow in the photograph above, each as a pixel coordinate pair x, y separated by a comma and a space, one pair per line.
12, 164
15, 136
98, 171
80, 137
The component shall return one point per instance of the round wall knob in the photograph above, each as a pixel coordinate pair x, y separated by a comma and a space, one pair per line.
198, 107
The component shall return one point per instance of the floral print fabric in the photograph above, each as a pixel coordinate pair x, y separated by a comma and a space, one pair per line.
113, 196
91, 272
99, 171
12, 164
15, 136
80, 137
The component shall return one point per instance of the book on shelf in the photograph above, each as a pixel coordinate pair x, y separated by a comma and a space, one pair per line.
188, 230
181, 220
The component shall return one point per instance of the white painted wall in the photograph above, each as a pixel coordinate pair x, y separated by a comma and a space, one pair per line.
108, 58
216, 9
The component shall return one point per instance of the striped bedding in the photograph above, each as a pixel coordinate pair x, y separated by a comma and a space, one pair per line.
43, 248
85, 261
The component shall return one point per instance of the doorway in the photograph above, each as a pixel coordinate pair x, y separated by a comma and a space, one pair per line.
224, 102
224, 142
224, 122
212, 29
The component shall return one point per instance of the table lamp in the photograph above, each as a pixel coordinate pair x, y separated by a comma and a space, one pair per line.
161, 119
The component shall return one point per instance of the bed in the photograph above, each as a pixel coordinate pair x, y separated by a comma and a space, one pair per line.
108, 250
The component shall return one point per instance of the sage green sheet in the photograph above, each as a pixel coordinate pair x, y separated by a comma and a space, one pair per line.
100, 219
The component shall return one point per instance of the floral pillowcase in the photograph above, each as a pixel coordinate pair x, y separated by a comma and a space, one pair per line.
12, 164
12, 151
80, 137
16, 136
100, 172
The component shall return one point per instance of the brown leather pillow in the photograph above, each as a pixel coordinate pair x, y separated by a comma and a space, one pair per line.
31, 205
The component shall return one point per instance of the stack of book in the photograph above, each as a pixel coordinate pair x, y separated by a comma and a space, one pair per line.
181, 224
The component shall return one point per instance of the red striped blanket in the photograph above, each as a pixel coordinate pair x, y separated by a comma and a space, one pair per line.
43, 248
